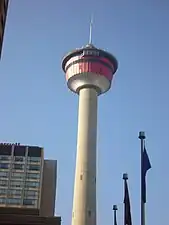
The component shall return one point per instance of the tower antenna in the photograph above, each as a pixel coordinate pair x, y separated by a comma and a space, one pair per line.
90, 33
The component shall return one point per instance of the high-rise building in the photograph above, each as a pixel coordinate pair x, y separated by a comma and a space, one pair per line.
3, 15
26, 179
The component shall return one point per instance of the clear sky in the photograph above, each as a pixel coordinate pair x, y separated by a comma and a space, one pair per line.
38, 109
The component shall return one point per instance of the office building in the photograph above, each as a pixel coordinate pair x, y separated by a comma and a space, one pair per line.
26, 179
3, 16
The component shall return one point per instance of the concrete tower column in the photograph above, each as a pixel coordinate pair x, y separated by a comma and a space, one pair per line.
84, 204
89, 72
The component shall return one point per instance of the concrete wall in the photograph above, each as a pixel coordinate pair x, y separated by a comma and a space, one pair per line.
48, 194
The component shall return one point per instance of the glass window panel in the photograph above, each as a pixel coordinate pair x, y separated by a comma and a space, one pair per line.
3, 174
3, 191
3, 182
14, 201
34, 167
15, 192
5, 157
4, 165
33, 176
2, 200
14, 183
29, 202
19, 158
17, 175
34, 159
18, 166
32, 184
31, 193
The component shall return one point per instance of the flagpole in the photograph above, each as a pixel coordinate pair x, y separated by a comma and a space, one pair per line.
142, 139
115, 214
125, 178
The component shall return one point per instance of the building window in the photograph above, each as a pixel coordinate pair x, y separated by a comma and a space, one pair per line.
32, 184
90, 52
17, 175
34, 167
18, 166
29, 202
34, 159
3, 174
3, 191
14, 201
2, 200
4, 165
3, 183
15, 192
19, 159
5, 158
16, 183
31, 194
33, 176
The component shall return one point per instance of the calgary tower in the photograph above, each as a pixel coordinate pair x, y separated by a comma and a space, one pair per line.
89, 73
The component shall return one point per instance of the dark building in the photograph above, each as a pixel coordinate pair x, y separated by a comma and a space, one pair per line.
3, 15
15, 216
27, 180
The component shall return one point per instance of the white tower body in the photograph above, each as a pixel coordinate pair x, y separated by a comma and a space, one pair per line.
89, 72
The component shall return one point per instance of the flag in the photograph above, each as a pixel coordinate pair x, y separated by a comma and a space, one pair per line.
127, 210
115, 219
145, 167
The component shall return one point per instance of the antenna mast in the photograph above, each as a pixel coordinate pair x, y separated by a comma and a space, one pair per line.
90, 34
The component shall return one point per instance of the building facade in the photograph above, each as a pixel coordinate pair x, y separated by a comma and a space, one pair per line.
3, 15
23, 178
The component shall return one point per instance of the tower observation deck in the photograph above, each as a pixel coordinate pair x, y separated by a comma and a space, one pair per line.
89, 73
89, 67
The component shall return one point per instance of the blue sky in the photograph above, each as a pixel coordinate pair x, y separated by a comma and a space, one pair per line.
38, 109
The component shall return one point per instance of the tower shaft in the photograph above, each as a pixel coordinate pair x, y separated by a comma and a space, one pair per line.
84, 203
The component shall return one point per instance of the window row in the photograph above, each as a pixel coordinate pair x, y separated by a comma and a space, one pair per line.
20, 175
11, 192
26, 184
18, 201
14, 183
20, 158
5, 158
29, 159
4, 174
28, 175
20, 166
